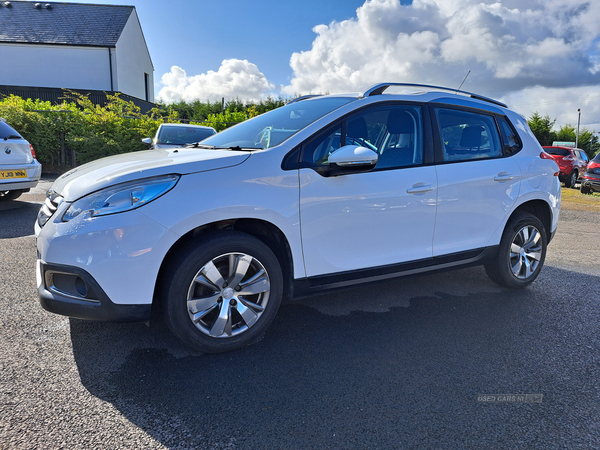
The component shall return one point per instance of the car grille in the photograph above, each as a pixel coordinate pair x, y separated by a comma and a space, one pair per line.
51, 204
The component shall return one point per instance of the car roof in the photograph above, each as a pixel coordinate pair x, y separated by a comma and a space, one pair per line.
420, 93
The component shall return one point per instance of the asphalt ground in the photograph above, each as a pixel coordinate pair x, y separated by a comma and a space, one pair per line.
397, 365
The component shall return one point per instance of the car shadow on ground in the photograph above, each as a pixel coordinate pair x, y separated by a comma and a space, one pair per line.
15, 213
405, 377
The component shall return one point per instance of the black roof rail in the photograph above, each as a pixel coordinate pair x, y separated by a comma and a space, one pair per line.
379, 89
304, 97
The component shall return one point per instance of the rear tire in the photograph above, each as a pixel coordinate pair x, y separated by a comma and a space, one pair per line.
521, 253
585, 190
10, 195
571, 181
222, 292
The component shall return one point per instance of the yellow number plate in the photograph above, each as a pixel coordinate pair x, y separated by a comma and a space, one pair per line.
5, 174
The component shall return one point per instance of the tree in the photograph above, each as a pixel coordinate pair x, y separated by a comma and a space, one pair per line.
542, 128
588, 140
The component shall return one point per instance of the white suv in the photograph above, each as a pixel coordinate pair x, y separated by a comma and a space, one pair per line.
323, 193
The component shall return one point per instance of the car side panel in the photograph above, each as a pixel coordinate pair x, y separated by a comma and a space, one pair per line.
474, 197
368, 219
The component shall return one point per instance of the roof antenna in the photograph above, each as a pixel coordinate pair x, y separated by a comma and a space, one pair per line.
463, 81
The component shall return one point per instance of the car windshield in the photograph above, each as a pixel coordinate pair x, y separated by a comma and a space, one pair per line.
274, 127
178, 135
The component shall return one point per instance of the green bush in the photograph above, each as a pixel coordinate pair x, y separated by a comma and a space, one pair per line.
31, 119
77, 131
118, 127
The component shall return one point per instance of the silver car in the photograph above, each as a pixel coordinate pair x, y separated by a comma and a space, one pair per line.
19, 170
178, 134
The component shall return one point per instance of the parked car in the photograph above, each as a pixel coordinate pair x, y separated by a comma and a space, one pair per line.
572, 163
19, 170
590, 181
171, 135
324, 193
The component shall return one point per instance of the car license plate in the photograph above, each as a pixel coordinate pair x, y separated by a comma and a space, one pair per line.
6, 174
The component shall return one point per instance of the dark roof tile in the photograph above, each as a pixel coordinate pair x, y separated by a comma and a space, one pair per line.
64, 23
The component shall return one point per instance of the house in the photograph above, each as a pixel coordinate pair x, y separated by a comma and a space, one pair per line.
88, 48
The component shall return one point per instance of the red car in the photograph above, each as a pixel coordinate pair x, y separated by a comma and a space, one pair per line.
591, 178
571, 161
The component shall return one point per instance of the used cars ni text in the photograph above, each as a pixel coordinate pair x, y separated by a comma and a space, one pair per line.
324, 193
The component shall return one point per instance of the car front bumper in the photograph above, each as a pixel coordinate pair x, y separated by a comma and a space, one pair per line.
103, 268
71, 291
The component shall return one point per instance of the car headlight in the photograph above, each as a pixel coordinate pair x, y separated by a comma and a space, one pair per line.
121, 197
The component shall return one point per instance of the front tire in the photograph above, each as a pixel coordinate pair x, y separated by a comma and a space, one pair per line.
521, 253
222, 292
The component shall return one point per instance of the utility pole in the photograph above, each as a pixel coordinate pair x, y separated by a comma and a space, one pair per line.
578, 120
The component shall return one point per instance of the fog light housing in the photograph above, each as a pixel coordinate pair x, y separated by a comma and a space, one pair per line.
70, 285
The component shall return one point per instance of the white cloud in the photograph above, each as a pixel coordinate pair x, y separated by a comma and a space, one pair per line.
513, 49
560, 103
510, 46
235, 78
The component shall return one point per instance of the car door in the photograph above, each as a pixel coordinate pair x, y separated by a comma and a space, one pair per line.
355, 221
478, 181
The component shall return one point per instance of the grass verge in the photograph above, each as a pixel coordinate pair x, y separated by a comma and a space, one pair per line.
575, 200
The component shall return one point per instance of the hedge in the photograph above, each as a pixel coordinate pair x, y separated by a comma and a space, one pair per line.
77, 131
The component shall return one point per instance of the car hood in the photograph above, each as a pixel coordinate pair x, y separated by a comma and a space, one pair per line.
132, 166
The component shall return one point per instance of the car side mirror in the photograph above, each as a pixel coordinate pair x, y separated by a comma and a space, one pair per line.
353, 158
147, 141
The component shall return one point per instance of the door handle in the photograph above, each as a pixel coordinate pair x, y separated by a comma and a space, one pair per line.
419, 188
504, 176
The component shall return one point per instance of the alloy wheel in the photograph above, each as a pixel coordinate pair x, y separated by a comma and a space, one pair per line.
525, 252
228, 295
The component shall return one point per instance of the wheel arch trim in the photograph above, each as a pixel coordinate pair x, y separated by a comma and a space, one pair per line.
267, 232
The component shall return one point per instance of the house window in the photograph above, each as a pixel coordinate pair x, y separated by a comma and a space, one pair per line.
147, 85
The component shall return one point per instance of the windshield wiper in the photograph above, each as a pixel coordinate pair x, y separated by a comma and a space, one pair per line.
238, 148
199, 145
212, 147
12, 136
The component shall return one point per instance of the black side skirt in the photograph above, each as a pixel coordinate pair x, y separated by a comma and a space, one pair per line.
304, 287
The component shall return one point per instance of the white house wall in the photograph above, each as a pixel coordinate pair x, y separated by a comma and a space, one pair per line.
133, 61
55, 66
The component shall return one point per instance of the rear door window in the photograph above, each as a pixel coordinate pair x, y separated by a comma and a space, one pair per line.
468, 136
510, 139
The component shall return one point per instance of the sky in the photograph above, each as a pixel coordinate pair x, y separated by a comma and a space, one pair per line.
535, 55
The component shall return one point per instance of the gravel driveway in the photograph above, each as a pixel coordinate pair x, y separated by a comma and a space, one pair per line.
396, 365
